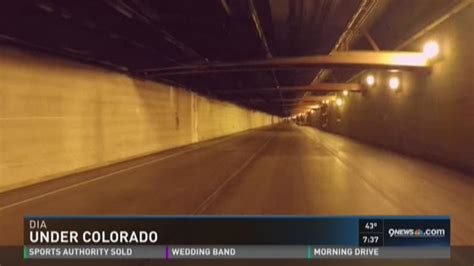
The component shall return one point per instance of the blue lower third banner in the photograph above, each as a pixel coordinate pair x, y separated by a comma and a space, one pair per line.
232, 237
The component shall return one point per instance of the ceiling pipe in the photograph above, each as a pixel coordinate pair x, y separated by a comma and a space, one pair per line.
429, 26
319, 87
263, 40
452, 11
228, 11
358, 20
354, 26
130, 12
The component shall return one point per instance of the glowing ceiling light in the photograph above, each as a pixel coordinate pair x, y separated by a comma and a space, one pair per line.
370, 79
431, 49
345, 92
394, 83
418, 59
339, 102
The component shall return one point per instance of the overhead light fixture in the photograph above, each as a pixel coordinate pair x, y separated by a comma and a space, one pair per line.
370, 80
339, 102
345, 92
431, 49
394, 83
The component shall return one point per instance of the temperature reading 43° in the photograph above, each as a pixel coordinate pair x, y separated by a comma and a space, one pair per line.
371, 225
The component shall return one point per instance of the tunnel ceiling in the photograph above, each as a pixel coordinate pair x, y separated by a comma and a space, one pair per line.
131, 35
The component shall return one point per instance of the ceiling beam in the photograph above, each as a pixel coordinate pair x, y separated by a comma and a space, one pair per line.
348, 59
318, 87
311, 99
305, 102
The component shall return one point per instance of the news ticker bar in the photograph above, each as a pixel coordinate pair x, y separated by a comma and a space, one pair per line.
353, 231
233, 252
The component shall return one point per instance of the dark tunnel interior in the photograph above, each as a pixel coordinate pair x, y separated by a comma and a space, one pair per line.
237, 107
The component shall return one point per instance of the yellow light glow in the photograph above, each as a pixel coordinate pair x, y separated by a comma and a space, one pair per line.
345, 92
416, 59
370, 80
431, 49
339, 102
394, 83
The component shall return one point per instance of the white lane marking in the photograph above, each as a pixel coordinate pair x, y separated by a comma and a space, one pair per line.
208, 201
113, 173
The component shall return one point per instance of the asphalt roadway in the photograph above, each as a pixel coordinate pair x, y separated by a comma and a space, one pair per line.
285, 169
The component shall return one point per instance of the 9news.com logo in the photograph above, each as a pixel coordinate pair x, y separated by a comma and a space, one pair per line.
426, 233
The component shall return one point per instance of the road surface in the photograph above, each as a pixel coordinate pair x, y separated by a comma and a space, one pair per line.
285, 169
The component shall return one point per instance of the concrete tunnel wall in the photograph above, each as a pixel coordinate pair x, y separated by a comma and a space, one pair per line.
59, 117
432, 116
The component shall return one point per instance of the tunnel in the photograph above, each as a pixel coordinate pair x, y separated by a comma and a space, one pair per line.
225, 107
